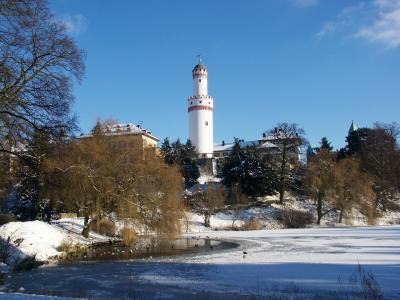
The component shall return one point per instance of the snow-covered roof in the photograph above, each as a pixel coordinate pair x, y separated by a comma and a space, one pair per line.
268, 145
243, 144
125, 129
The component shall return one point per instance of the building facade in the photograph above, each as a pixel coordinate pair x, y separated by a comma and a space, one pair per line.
136, 132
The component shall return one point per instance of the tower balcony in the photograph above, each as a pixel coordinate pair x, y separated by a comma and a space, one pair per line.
200, 97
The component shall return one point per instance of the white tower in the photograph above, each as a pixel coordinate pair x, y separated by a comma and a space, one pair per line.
200, 108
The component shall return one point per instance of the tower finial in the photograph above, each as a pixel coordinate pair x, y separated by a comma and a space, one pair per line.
199, 58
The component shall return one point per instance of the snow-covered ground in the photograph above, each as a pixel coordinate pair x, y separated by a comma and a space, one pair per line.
313, 261
42, 240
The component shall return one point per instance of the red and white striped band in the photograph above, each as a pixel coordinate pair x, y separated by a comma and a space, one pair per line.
200, 107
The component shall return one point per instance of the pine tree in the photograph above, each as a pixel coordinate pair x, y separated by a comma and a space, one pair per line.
324, 144
252, 170
183, 155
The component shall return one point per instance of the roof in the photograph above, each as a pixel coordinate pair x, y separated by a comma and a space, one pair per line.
199, 66
125, 129
243, 144
353, 127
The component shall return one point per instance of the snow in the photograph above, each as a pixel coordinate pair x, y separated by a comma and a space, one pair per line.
42, 239
312, 258
321, 259
34, 238
19, 296
206, 178
315, 260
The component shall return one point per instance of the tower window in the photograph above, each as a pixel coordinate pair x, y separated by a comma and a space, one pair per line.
201, 101
191, 102
206, 123
199, 80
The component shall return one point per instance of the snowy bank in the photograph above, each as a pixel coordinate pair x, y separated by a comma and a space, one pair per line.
35, 238
43, 240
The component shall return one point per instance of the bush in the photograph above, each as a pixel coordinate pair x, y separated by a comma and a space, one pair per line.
6, 218
71, 250
369, 287
7, 250
292, 218
128, 236
252, 224
105, 227
27, 264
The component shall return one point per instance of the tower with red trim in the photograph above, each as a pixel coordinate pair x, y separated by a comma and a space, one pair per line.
200, 108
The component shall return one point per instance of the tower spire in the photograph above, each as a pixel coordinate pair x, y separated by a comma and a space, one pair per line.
199, 58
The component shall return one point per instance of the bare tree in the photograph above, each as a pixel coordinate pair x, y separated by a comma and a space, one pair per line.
38, 62
289, 138
104, 176
353, 189
207, 202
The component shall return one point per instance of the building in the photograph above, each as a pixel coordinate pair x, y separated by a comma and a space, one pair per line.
143, 136
269, 144
200, 109
353, 127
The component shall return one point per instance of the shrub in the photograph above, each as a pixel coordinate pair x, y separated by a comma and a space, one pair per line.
7, 250
128, 236
292, 218
6, 218
71, 250
105, 227
368, 285
27, 264
252, 224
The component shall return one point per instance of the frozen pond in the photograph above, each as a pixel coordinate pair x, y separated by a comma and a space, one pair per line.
319, 263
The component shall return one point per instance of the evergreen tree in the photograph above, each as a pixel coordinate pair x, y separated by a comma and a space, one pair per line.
183, 155
166, 149
252, 170
324, 144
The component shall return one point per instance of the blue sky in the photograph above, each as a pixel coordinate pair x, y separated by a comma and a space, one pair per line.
318, 63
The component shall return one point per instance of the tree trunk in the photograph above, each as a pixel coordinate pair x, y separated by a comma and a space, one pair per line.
86, 220
341, 216
207, 219
319, 210
282, 193
282, 176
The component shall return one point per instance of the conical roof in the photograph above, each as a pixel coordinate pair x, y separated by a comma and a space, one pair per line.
353, 127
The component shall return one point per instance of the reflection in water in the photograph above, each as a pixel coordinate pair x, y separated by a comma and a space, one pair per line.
152, 247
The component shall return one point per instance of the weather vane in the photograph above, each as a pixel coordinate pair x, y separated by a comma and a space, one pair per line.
199, 58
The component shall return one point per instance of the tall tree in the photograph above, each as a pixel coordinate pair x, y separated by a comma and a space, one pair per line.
105, 176
289, 138
251, 170
324, 144
353, 189
380, 158
183, 155
38, 63
319, 181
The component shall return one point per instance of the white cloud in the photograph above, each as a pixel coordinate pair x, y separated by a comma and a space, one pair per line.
377, 21
74, 24
386, 26
305, 3
328, 28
